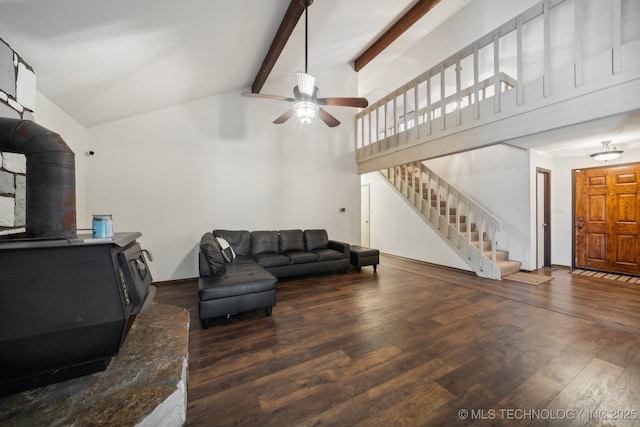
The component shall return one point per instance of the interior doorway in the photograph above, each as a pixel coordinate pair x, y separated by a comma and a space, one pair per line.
365, 214
543, 218
606, 218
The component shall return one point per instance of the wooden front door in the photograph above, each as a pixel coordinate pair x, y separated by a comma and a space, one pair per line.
607, 214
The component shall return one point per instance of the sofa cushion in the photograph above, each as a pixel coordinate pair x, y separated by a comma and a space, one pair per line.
211, 249
271, 259
326, 254
240, 240
264, 241
302, 257
227, 251
291, 240
244, 258
314, 239
239, 279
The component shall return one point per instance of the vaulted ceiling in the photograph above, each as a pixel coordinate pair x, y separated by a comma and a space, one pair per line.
104, 60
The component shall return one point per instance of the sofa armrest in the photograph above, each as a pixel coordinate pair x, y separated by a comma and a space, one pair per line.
340, 246
203, 266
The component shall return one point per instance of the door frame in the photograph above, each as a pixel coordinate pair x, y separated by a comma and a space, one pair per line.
574, 255
546, 216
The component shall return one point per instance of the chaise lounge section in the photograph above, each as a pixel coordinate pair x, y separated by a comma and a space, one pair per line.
239, 270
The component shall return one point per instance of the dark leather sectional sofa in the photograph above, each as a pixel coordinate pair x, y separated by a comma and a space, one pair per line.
244, 277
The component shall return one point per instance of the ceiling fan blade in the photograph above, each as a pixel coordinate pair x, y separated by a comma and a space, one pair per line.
328, 118
344, 102
264, 96
284, 117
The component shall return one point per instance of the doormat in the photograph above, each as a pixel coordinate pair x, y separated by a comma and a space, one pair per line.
528, 278
609, 276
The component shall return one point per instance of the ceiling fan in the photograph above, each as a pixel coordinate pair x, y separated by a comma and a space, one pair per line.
305, 95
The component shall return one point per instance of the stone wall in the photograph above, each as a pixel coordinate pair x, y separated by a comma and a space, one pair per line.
12, 193
17, 100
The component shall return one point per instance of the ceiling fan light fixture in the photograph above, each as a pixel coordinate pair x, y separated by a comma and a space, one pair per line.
606, 153
305, 111
306, 83
305, 94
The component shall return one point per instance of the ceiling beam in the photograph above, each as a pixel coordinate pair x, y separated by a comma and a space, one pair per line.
289, 21
403, 24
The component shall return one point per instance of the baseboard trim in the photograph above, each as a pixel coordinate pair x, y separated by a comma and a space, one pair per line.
175, 282
429, 264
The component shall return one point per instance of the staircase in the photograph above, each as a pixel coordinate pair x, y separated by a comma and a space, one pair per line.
469, 229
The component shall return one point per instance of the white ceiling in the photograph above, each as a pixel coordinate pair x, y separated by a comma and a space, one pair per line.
105, 60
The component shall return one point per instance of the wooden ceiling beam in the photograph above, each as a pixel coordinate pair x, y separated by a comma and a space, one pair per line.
401, 25
289, 21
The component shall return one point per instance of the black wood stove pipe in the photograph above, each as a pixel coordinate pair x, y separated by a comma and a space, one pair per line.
51, 177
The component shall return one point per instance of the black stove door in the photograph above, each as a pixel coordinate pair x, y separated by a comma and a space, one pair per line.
137, 276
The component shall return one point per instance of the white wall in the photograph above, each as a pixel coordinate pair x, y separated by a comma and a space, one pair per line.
395, 228
75, 135
219, 162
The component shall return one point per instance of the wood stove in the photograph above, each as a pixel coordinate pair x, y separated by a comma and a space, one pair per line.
67, 301
66, 306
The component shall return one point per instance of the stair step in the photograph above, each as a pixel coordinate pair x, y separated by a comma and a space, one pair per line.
486, 244
508, 267
443, 211
452, 219
472, 228
500, 255
475, 235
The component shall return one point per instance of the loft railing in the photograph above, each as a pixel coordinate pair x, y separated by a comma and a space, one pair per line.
468, 228
554, 47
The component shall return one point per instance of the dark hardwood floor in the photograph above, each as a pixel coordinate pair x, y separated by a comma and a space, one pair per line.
419, 345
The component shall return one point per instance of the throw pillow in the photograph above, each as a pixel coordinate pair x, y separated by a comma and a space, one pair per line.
227, 250
211, 249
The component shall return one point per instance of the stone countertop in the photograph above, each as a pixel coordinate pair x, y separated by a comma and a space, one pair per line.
145, 384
